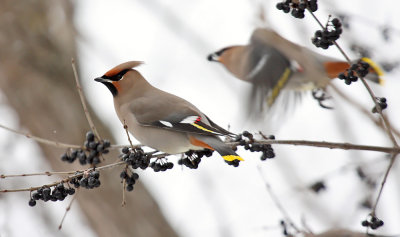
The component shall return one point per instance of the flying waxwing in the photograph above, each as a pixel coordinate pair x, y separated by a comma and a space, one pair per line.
273, 63
159, 119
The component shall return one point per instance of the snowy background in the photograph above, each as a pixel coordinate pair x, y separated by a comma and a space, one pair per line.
174, 38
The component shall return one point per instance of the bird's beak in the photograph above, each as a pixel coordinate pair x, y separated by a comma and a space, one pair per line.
100, 79
213, 57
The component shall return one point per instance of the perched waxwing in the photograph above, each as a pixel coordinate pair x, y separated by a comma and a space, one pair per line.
159, 119
273, 64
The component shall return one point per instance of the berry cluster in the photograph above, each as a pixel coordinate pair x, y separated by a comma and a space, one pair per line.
298, 7
92, 152
193, 158
356, 69
136, 158
58, 193
381, 102
129, 179
161, 164
326, 37
89, 181
250, 144
373, 222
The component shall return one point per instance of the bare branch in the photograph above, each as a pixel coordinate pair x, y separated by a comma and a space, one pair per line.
42, 140
58, 144
277, 203
123, 193
362, 109
370, 92
46, 173
85, 109
63, 180
68, 208
392, 160
127, 134
386, 123
330, 145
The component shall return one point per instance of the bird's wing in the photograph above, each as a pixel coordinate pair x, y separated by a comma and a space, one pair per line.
268, 68
167, 111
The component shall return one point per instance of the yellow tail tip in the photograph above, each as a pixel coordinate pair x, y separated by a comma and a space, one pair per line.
232, 158
376, 68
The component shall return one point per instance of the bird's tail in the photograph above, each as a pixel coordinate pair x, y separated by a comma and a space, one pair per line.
334, 68
375, 72
216, 144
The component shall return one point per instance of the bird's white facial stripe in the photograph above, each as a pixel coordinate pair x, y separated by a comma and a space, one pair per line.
165, 123
259, 66
189, 119
295, 66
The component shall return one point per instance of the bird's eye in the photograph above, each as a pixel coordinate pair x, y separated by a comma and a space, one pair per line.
120, 75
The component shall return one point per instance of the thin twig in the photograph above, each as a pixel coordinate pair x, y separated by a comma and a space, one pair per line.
365, 111
277, 203
323, 144
42, 140
68, 209
370, 92
123, 193
85, 109
63, 180
392, 160
46, 173
122, 146
127, 134
58, 144
386, 123
330, 145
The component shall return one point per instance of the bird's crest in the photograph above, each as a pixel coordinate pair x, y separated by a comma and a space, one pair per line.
121, 68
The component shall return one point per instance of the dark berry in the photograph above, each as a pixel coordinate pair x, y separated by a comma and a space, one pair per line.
247, 134
129, 187
123, 174
336, 22
106, 143
71, 191
95, 174
365, 223
318, 186
89, 136
93, 145
100, 148
135, 176
125, 150
32, 202
131, 180
170, 165
64, 157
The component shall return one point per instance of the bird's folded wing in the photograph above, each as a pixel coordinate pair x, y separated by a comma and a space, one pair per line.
174, 114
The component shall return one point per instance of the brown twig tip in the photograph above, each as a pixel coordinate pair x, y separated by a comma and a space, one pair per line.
127, 134
68, 209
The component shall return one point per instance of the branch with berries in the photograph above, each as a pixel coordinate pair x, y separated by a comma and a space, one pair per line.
325, 38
